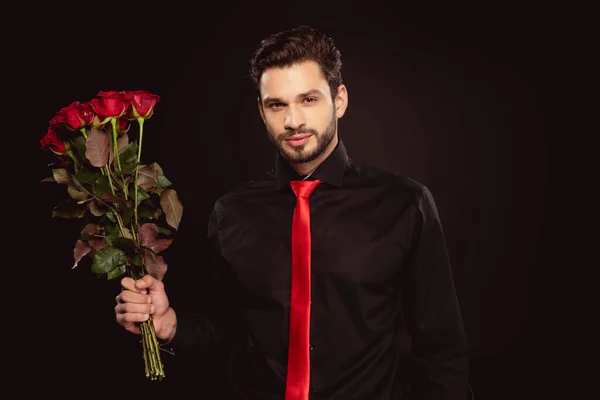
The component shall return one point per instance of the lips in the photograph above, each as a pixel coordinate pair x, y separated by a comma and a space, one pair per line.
297, 140
298, 137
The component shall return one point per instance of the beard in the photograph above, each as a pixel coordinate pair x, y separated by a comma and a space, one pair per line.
299, 155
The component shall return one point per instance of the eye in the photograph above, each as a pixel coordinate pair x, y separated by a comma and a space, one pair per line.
310, 99
275, 106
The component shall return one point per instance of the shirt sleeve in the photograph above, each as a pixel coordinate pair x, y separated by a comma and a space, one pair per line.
438, 360
206, 326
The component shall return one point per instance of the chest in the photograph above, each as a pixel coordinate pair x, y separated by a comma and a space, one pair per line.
356, 243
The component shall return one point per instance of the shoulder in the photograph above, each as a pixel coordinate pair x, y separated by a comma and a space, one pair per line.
403, 189
368, 174
237, 197
262, 185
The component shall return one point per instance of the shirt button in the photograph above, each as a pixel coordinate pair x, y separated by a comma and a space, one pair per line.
311, 348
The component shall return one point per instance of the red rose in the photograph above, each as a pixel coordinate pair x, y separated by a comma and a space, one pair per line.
111, 104
53, 142
76, 115
57, 121
87, 113
123, 124
142, 104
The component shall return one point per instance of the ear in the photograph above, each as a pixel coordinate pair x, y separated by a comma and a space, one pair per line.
341, 101
261, 110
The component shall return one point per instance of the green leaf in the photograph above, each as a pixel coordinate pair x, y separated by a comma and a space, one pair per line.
117, 272
61, 175
69, 209
128, 158
107, 259
136, 259
112, 234
127, 245
79, 144
163, 182
101, 186
129, 155
75, 193
142, 195
111, 216
128, 168
127, 215
77, 184
144, 213
148, 210
87, 176
164, 231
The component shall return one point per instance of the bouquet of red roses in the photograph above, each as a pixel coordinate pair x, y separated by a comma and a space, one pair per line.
128, 209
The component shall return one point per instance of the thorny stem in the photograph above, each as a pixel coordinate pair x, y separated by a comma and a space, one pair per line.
140, 121
133, 233
112, 188
121, 225
113, 122
151, 350
153, 364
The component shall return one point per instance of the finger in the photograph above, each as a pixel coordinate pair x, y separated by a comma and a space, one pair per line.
128, 283
124, 308
148, 283
128, 321
127, 296
133, 308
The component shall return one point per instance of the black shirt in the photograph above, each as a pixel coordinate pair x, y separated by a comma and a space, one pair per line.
385, 320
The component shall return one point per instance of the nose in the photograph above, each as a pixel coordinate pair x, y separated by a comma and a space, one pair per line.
294, 118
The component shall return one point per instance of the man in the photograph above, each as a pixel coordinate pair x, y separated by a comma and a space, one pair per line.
324, 315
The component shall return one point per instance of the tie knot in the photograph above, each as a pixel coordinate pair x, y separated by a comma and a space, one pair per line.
304, 188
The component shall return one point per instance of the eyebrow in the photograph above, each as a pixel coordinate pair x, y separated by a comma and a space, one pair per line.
301, 95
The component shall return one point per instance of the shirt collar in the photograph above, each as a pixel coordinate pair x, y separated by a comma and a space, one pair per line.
331, 170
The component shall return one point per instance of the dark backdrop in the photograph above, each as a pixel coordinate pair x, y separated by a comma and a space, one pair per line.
465, 99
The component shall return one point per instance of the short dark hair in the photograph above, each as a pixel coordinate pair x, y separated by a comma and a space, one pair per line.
296, 45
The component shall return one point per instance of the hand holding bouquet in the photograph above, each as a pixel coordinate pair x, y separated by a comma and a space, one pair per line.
128, 209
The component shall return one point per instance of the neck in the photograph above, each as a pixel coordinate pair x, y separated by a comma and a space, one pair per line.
309, 167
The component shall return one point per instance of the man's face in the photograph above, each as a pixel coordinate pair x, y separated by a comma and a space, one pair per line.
298, 111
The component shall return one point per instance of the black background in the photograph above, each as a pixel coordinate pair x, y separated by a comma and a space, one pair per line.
473, 100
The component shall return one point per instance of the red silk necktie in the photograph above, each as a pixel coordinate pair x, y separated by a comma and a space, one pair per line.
298, 372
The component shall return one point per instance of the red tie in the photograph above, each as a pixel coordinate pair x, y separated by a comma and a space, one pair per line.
298, 372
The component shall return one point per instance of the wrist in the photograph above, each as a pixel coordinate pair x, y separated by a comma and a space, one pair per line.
168, 327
